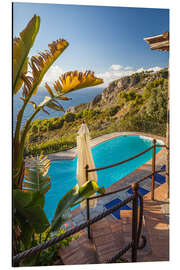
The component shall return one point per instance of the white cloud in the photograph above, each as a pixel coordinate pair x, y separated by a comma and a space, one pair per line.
115, 67
140, 70
128, 68
154, 69
52, 75
115, 74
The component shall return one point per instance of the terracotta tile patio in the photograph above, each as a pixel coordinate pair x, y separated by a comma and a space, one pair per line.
110, 235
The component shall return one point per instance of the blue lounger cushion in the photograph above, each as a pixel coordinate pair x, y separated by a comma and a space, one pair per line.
114, 202
163, 167
159, 178
141, 190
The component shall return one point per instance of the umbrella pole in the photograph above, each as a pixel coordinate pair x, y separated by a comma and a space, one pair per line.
86, 168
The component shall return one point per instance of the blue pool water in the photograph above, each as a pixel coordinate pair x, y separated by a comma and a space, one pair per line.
63, 173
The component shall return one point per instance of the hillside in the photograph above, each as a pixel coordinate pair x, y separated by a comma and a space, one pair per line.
136, 82
136, 103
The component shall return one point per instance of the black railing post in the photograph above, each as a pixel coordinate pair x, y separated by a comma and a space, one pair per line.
134, 223
153, 168
87, 205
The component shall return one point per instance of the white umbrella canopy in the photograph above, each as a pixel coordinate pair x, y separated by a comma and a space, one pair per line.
84, 157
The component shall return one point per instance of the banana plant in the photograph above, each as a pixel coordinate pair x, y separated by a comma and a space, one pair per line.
29, 80
29, 202
29, 194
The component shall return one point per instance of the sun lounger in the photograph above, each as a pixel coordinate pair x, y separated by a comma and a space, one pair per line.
159, 178
163, 167
114, 202
141, 190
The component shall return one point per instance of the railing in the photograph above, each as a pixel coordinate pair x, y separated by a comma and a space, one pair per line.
136, 222
136, 230
120, 163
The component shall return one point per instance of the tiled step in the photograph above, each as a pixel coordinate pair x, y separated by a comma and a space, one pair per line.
157, 226
80, 251
105, 243
111, 235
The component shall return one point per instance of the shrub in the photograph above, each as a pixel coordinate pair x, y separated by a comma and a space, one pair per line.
69, 117
164, 73
136, 78
79, 115
156, 107
113, 110
34, 129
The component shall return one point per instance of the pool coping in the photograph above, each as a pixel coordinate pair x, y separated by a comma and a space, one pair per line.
70, 155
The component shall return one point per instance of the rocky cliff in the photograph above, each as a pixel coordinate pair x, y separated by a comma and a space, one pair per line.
136, 82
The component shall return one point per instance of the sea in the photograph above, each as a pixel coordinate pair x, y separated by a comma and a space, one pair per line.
78, 97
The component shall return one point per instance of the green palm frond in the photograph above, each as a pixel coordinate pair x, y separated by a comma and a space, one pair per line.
35, 175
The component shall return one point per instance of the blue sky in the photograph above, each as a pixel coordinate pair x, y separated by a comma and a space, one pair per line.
107, 40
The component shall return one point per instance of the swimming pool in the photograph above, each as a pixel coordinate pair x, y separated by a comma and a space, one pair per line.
63, 173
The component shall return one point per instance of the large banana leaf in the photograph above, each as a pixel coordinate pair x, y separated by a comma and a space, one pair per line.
21, 48
26, 233
29, 206
67, 83
35, 175
40, 65
74, 196
71, 81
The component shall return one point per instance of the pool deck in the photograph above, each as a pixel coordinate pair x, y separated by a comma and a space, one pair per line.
71, 153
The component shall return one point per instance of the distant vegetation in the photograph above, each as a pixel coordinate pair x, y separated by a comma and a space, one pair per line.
139, 104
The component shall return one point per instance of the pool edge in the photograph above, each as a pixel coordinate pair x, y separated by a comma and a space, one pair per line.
71, 153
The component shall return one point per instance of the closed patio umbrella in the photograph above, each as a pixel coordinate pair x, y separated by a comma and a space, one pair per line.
84, 157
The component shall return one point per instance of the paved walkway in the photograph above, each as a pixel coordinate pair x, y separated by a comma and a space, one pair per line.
110, 235
157, 225
80, 251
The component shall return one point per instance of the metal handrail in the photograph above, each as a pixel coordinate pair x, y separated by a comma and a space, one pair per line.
124, 188
136, 228
17, 258
124, 161
119, 163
